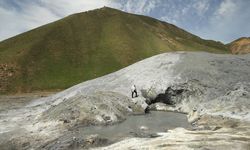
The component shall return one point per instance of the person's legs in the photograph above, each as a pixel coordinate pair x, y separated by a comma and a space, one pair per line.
136, 94
132, 94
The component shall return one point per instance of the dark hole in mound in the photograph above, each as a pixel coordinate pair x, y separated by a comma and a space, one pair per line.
166, 97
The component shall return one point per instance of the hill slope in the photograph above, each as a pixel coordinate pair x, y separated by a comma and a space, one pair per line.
240, 46
88, 45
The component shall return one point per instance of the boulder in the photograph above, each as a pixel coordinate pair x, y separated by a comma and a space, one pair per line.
193, 116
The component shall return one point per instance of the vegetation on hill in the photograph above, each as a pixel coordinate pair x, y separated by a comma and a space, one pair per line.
87, 45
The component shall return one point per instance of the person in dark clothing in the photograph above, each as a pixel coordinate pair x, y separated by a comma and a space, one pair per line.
134, 91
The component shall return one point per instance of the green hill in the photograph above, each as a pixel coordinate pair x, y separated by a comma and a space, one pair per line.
87, 45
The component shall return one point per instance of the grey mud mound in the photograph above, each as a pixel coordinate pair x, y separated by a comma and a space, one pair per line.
198, 83
57, 125
93, 109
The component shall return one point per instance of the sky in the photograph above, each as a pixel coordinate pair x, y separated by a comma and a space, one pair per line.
220, 20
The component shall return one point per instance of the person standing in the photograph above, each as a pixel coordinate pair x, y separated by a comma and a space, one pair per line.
134, 91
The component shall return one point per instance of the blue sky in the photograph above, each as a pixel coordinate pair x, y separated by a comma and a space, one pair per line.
221, 20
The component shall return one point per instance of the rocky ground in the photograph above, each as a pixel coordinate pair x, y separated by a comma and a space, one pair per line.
212, 89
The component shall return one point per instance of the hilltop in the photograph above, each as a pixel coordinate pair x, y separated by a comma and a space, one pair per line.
87, 45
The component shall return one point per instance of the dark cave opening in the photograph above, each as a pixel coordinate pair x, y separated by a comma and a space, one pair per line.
167, 98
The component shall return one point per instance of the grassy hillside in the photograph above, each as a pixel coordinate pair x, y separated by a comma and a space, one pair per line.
87, 45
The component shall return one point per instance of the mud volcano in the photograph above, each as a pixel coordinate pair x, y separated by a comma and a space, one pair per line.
212, 89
